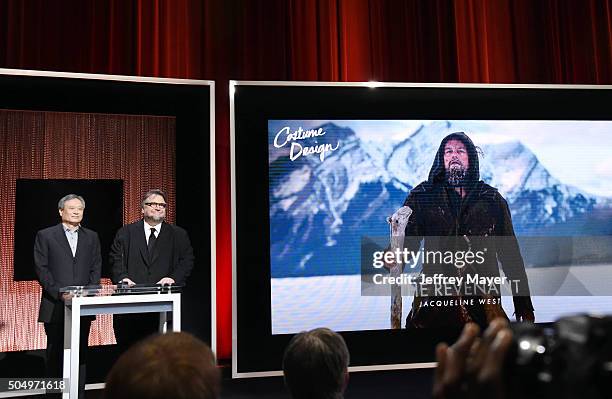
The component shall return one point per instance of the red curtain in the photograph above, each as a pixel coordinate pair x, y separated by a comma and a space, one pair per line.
502, 41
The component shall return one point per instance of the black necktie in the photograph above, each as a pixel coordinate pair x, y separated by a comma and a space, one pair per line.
152, 240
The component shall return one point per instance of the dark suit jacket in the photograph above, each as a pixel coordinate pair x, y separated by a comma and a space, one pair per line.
172, 255
57, 268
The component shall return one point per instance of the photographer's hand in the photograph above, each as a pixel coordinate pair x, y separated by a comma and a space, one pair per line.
485, 368
449, 378
473, 367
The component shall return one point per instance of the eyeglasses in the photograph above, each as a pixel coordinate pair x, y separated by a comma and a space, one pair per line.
156, 204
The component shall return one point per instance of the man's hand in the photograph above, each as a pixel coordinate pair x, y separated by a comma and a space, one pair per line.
166, 281
399, 220
128, 282
66, 296
526, 315
451, 370
389, 265
397, 224
473, 366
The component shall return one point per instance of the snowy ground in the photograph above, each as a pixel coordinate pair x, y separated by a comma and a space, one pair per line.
336, 301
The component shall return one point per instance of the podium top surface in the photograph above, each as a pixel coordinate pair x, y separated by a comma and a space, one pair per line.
118, 294
119, 289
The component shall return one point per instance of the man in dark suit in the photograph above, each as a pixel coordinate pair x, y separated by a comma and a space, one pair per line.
65, 254
149, 251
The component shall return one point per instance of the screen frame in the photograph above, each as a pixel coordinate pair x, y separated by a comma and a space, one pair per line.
103, 83
234, 86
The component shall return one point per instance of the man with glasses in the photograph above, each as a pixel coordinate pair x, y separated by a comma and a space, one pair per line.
65, 254
149, 251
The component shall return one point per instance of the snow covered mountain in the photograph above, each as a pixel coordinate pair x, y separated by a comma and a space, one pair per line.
320, 210
536, 198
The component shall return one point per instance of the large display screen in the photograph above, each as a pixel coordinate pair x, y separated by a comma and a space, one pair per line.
396, 213
334, 183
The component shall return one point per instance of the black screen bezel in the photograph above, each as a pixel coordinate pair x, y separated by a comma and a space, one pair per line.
255, 103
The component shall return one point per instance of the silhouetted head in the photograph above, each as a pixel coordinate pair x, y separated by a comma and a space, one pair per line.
315, 365
174, 365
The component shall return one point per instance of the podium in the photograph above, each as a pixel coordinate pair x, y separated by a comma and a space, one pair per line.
90, 301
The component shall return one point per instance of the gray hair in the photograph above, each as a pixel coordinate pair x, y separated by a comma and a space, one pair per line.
62, 201
155, 191
315, 363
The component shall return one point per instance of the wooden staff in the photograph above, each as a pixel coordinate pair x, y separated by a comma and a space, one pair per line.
397, 226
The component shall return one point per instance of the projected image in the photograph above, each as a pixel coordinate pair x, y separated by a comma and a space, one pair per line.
335, 185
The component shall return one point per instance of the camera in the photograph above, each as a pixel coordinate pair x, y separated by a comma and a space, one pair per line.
570, 358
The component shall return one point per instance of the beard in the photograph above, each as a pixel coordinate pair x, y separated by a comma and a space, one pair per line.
456, 175
156, 218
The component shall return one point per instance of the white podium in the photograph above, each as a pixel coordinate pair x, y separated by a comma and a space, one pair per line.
78, 306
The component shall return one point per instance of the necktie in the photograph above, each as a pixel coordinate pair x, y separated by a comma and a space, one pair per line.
152, 240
